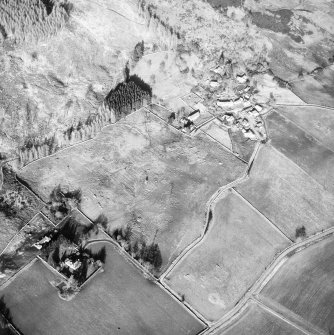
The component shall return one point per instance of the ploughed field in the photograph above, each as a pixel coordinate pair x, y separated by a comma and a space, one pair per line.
237, 248
117, 301
303, 149
304, 285
287, 195
257, 321
142, 172
316, 121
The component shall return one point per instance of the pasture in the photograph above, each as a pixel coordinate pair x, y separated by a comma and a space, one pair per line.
118, 301
20, 250
317, 89
142, 172
23, 206
304, 284
286, 195
256, 321
234, 253
318, 122
301, 148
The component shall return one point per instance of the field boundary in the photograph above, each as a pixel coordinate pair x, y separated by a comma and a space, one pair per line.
11, 240
272, 224
306, 105
267, 275
299, 168
149, 276
287, 315
10, 279
304, 130
213, 199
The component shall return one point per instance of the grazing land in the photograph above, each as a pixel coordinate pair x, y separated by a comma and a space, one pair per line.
256, 321
20, 250
318, 122
17, 206
316, 89
286, 195
304, 284
142, 172
234, 253
301, 148
118, 301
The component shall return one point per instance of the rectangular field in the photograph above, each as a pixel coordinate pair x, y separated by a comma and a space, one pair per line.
304, 284
256, 321
318, 122
286, 195
118, 301
12, 222
234, 253
142, 172
216, 130
317, 89
20, 251
302, 149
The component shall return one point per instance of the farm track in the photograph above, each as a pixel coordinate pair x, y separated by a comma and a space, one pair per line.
118, 13
252, 293
149, 276
305, 105
287, 316
266, 276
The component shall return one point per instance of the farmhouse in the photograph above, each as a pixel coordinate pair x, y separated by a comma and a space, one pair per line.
214, 83
202, 109
194, 115
38, 245
242, 78
72, 265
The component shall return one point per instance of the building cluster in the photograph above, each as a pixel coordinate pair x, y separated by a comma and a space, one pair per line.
228, 96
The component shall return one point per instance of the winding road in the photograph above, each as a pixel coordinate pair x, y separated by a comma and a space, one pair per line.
255, 289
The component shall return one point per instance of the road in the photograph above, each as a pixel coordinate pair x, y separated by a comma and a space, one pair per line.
254, 290
265, 278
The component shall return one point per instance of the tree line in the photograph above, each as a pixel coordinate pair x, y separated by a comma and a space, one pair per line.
125, 98
31, 20
169, 36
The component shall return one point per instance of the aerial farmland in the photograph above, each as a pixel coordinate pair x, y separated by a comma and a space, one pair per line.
166, 167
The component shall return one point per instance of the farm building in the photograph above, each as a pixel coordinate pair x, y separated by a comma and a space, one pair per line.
194, 115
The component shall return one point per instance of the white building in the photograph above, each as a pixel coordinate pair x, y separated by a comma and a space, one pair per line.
194, 115
73, 266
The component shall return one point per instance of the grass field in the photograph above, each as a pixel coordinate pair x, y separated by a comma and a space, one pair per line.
142, 172
20, 251
235, 251
11, 223
256, 321
317, 89
117, 301
218, 132
315, 159
304, 284
287, 195
318, 122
